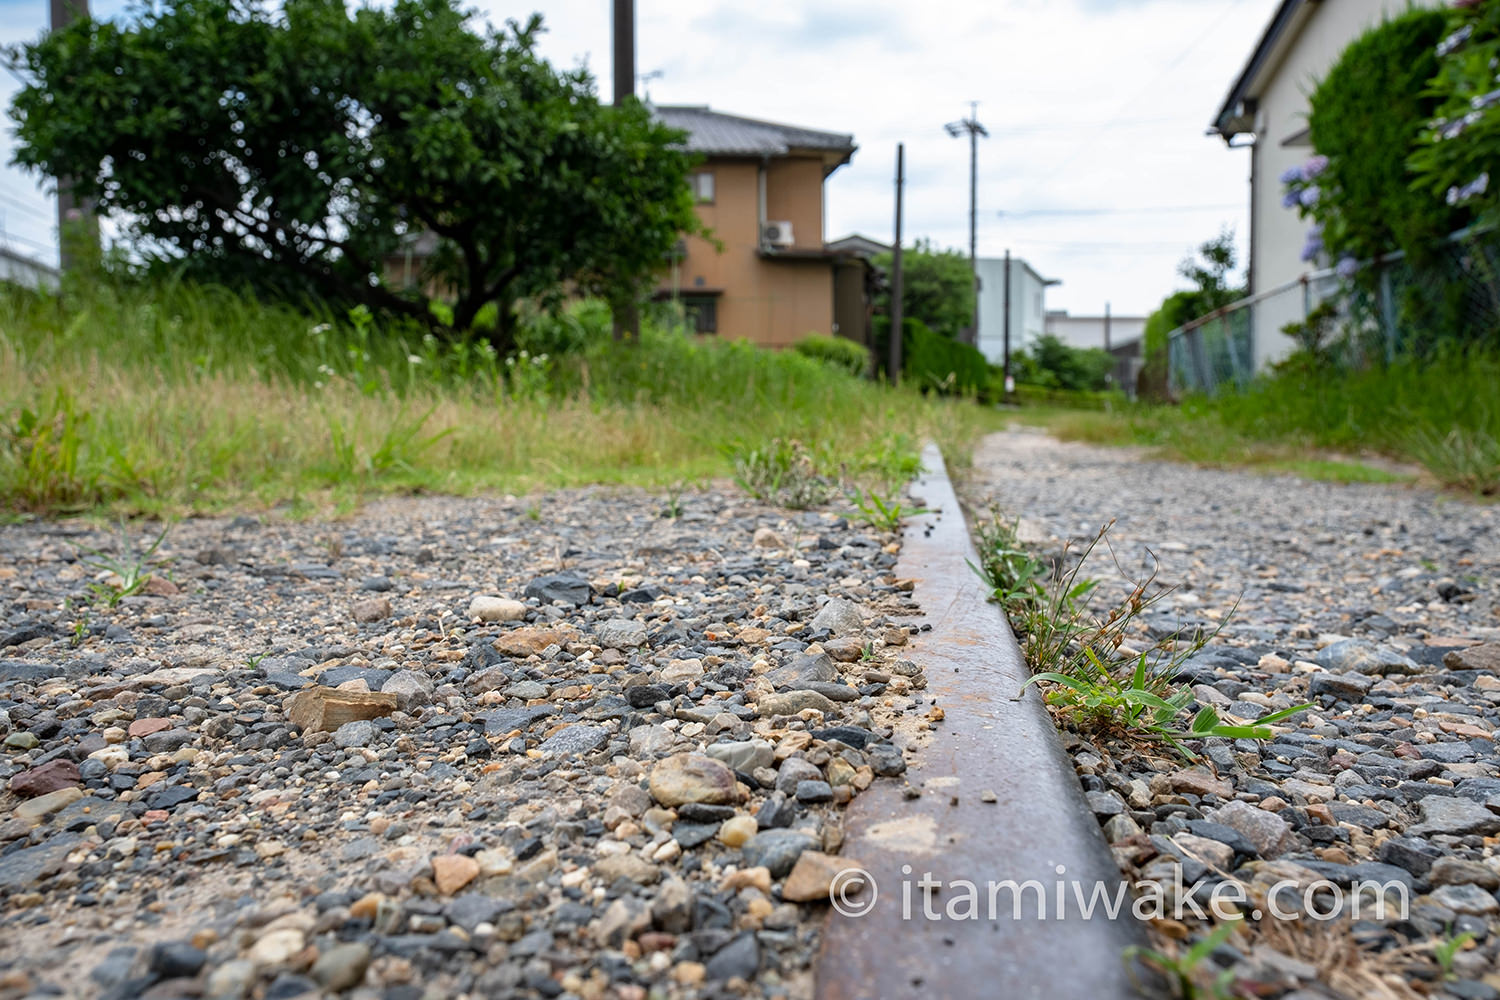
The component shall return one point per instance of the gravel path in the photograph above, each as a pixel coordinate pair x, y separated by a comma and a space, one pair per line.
445, 748
1379, 604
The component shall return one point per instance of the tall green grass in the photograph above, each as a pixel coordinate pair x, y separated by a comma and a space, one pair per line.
176, 398
1441, 413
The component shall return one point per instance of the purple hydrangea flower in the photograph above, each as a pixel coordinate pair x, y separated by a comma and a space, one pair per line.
1309, 196
1347, 266
1291, 175
1314, 166
1312, 247
1291, 199
1454, 41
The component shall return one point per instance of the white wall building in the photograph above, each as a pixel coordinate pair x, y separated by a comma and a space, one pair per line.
1028, 306
19, 269
1089, 331
1267, 109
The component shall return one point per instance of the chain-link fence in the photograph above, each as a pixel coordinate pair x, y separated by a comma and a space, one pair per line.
1390, 307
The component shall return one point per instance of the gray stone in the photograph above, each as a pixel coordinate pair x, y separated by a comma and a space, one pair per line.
527, 690
568, 588
474, 908
1454, 816
1457, 871
22, 868
621, 633
359, 733
814, 791
777, 850
1105, 804
169, 740
1470, 899
575, 741
342, 967
1266, 830
885, 760
410, 688
739, 959
839, 616
792, 702
1357, 655
744, 755
1349, 687
794, 771
803, 669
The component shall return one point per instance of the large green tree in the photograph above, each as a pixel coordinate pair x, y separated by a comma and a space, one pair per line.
295, 149
937, 287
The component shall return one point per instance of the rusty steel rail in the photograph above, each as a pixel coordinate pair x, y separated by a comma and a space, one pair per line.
1038, 828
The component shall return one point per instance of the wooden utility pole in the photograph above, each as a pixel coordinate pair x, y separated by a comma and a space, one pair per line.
76, 225
894, 353
627, 318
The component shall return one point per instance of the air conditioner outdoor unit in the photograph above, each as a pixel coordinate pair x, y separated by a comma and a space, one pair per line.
777, 234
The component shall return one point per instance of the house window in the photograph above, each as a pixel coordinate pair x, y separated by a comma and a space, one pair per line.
702, 184
702, 312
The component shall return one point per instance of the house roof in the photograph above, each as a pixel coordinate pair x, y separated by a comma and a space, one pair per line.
859, 244
714, 133
1237, 114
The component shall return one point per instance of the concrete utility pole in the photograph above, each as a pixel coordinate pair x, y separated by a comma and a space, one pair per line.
975, 130
1010, 383
627, 318
75, 221
894, 354
1106, 326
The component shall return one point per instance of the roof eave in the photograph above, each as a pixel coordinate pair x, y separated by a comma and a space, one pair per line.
1233, 119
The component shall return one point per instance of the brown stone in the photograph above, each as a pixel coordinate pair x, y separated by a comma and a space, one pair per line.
533, 639
324, 709
160, 586
451, 872
145, 727
372, 609
49, 777
1485, 657
814, 874
687, 777
1195, 781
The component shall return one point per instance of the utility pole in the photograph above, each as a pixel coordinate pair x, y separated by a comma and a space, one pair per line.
627, 318
75, 223
894, 353
975, 130
1010, 383
1106, 326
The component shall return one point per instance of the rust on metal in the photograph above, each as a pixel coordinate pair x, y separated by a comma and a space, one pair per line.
1035, 839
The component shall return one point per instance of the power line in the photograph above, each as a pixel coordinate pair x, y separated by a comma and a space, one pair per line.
1089, 212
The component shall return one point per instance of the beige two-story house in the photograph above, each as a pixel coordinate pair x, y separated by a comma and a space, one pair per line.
765, 273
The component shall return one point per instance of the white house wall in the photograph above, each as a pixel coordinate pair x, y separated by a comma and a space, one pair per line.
1088, 331
1279, 234
1028, 306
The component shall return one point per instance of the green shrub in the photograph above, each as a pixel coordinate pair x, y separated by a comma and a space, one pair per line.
932, 362
840, 352
1365, 118
1455, 154
1052, 364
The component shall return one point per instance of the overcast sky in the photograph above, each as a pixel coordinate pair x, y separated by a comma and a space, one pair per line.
1096, 111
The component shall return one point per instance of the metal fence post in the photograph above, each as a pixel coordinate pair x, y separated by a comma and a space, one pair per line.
1388, 314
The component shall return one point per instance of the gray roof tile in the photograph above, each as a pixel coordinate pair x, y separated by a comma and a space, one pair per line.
715, 133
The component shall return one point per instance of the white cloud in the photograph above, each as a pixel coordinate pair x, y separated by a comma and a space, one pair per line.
1090, 104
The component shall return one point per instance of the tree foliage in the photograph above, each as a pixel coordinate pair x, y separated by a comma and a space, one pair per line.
1461, 145
1053, 364
1365, 118
937, 287
294, 150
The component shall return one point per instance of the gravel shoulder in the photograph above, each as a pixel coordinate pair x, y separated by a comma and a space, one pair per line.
566, 745
1379, 604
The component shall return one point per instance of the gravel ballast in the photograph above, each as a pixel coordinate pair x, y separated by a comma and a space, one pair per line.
492, 747
1376, 603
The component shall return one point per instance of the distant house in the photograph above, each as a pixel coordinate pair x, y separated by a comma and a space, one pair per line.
1106, 332
1267, 109
19, 269
771, 279
1028, 305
